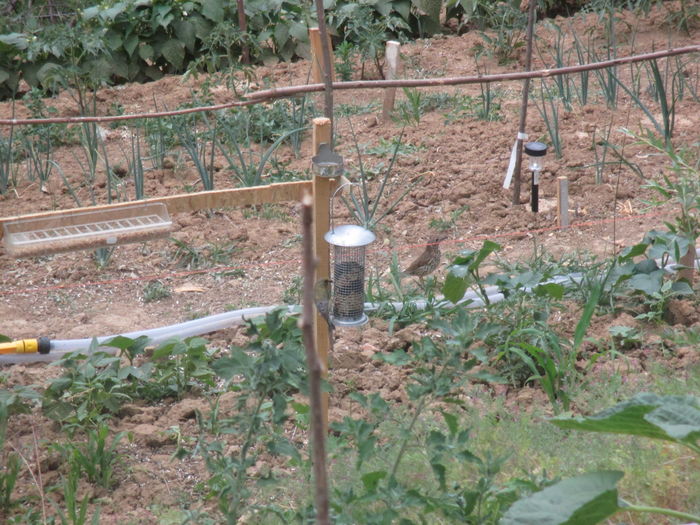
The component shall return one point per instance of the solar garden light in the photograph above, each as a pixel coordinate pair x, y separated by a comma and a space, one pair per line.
348, 297
535, 152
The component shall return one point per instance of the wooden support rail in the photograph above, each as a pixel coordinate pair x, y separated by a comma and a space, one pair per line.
188, 202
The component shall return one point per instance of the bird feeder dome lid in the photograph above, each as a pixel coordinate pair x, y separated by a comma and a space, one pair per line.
535, 149
327, 163
349, 236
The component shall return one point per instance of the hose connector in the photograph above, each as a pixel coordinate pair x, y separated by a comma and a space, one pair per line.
41, 345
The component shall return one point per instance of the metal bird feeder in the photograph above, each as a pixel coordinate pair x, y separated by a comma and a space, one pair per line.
327, 163
535, 152
349, 242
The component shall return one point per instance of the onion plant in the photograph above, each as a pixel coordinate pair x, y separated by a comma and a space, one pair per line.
550, 116
560, 59
667, 101
365, 206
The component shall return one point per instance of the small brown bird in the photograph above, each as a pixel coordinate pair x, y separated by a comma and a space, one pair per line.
428, 261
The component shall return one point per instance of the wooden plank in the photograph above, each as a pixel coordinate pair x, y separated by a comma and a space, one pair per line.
392, 68
317, 56
188, 202
563, 201
323, 188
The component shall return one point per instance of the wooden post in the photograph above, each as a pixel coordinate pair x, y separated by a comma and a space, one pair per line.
392, 63
563, 201
323, 188
317, 56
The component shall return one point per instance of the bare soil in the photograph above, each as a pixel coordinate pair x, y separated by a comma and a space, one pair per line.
461, 165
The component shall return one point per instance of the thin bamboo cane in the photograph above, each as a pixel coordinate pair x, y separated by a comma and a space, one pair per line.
319, 409
523, 107
270, 94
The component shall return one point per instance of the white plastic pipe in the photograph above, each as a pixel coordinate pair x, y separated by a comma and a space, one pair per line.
214, 323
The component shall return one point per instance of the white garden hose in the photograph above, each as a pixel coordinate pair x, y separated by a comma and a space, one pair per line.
214, 323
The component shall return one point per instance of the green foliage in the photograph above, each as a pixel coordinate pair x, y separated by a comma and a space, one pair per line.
181, 366
593, 497
11, 402
133, 40
9, 471
155, 291
95, 458
189, 256
76, 512
92, 387
143, 40
198, 138
365, 206
683, 190
384, 488
410, 110
508, 23
443, 225
583, 500
669, 418
345, 53
264, 375
483, 107
464, 272
17, 400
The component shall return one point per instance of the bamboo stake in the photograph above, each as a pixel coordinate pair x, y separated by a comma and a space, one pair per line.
322, 189
392, 61
523, 108
281, 92
563, 202
243, 25
456, 81
319, 415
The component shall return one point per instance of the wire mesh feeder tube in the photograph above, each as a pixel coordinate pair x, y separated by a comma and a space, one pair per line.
349, 242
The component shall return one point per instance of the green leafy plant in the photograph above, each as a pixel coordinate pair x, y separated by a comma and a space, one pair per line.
264, 375
189, 256
76, 512
684, 191
381, 443
345, 53
97, 457
411, 110
465, 272
508, 23
249, 169
667, 100
155, 291
593, 497
92, 387
181, 366
292, 294
625, 337
443, 225
7, 167
200, 145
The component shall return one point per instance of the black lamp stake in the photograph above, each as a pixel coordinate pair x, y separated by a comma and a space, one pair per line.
535, 151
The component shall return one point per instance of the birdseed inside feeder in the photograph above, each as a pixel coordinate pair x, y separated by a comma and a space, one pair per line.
349, 242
